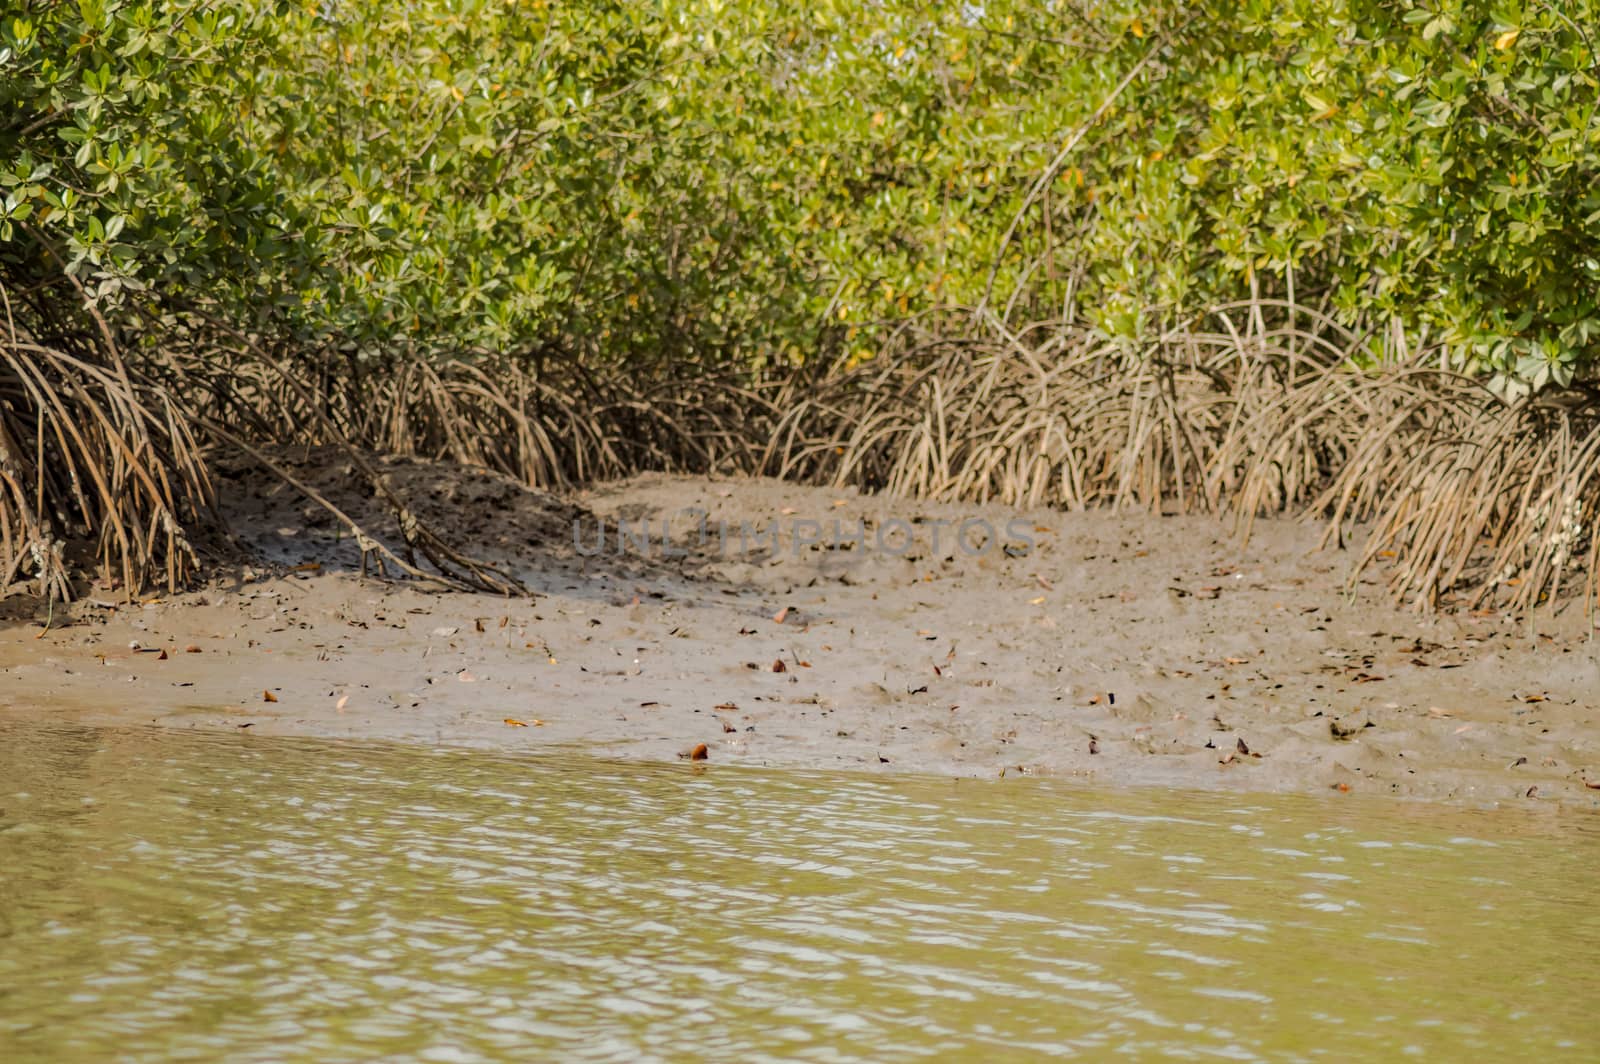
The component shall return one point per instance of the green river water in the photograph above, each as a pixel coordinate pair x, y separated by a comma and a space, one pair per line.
225, 897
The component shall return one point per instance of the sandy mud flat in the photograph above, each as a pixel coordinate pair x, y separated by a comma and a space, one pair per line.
1106, 649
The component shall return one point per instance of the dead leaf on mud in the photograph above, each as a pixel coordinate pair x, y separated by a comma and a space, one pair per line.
515, 723
779, 666
338, 706
465, 676
1435, 711
268, 696
781, 616
726, 707
726, 727
697, 753
1593, 785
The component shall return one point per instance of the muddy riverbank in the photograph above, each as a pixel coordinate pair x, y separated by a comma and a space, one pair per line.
1109, 649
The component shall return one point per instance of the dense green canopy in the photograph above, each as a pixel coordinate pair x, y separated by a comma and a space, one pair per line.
721, 178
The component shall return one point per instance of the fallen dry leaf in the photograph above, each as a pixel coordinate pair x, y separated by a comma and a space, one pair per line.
344, 700
780, 616
1342, 731
726, 707
466, 677
779, 666
1435, 711
515, 723
698, 753
191, 649
268, 696
478, 624
726, 727
161, 656
1593, 785
1036, 601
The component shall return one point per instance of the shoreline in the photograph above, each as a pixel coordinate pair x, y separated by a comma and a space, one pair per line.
1120, 650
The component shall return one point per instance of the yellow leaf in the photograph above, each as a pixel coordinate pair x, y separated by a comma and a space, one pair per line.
515, 723
1137, 27
1506, 40
878, 118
